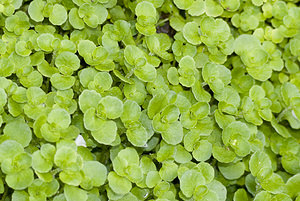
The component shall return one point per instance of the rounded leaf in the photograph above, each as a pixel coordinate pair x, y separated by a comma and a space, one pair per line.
73, 193
19, 131
95, 171
67, 62
20, 180
58, 15
119, 185
106, 133
191, 33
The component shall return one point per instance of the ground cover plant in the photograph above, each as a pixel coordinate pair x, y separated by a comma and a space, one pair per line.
132, 100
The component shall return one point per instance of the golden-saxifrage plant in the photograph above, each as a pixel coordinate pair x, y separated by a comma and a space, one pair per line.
165, 100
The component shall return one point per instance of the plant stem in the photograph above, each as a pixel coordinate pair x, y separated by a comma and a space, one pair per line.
138, 38
281, 115
4, 194
162, 21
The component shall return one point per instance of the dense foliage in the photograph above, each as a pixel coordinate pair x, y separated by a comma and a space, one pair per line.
132, 100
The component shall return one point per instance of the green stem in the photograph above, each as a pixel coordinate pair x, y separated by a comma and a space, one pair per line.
138, 38
203, 84
53, 58
55, 171
130, 73
281, 115
4, 194
162, 21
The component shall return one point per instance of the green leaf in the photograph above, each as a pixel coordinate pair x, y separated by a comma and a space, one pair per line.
213, 8
91, 121
219, 189
73, 193
102, 82
197, 8
146, 73
207, 171
131, 112
110, 107
19, 162
137, 134
152, 179
191, 33
75, 20
282, 196
273, 184
182, 4
62, 82
106, 133
280, 129
19, 131
88, 99
94, 172
240, 194
58, 15
70, 177
189, 181
217, 76
292, 185
145, 8
222, 119
86, 75
259, 162
257, 93
230, 5
174, 133
168, 171
263, 195
203, 150
20, 196
182, 155
173, 76
7, 67
59, 117
119, 185
232, 170
65, 156
235, 131
35, 10
200, 110
39, 163
223, 154
20, 180
67, 62
10, 148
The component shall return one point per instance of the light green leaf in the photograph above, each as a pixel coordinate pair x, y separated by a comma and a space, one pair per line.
191, 33
183, 4
20, 180
73, 193
58, 15
119, 185
232, 170
174, 133
110, 107
95, 172
59, 117
106, 133
67, 62
19, 131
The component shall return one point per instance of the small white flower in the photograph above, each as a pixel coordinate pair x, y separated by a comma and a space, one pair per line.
80, 141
